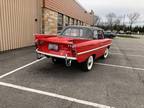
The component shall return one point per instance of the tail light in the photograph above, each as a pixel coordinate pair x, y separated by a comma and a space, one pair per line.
73, 49
38, 43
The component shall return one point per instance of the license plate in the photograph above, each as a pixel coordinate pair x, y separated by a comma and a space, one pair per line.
53, 47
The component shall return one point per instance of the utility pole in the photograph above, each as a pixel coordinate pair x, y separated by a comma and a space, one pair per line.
124, 22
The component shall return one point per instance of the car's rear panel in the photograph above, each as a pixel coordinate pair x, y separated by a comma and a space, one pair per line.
57, 46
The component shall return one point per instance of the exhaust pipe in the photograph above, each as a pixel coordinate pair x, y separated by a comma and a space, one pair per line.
67, 61
39, 56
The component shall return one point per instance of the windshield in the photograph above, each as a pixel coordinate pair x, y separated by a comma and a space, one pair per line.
77, 33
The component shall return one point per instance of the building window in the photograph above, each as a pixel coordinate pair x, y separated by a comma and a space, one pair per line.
67, 20
79, 22
72, 21
82, 23
76, 22
60, 22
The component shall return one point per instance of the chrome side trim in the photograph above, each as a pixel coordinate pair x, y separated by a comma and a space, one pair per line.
53, 55
92, 49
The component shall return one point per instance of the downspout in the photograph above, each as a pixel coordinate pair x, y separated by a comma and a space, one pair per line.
1, 34
43, 11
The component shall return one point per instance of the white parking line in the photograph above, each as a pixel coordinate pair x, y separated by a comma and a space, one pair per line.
15, 70
119, 66
128, 54
116, 48
54, 95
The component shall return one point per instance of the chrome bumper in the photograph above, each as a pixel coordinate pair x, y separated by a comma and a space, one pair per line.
57, 56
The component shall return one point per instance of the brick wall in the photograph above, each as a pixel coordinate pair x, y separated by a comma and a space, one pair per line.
70, 8
50, 21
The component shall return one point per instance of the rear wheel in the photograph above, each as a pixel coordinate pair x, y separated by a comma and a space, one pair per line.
106, 53
88, 64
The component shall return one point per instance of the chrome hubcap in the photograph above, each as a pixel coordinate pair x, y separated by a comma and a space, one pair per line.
90, 63
106, 53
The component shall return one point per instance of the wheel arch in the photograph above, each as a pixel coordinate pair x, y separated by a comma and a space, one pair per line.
94, 56
108, 47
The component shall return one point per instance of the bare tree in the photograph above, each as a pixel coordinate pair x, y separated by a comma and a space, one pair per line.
111, 19
133, 17
117, 21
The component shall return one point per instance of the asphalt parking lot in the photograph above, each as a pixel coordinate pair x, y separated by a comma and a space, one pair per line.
116, 82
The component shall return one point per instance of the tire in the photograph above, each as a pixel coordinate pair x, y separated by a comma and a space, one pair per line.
106, 53
88, 64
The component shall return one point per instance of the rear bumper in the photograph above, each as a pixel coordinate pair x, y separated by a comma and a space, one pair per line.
57, 56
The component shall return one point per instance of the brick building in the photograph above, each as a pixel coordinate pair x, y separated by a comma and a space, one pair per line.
20, 19
60, 13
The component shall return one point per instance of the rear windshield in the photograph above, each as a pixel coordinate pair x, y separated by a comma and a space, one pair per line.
77, 33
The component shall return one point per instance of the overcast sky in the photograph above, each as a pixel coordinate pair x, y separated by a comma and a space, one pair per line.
120, 7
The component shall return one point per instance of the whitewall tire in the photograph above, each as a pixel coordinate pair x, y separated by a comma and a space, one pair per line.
106, 53
88, 64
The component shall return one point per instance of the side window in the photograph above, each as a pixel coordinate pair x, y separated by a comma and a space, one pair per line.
95, 34
100, 35
87, 33
75, 32
67, 32
81, 32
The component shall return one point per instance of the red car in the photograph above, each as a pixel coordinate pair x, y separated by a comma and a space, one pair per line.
75, 43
